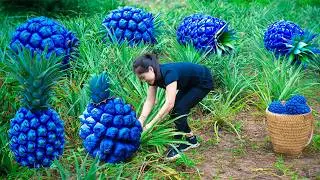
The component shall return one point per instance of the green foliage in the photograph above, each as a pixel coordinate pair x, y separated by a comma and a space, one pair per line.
240, 150
185, 160
72, 96
80, 166
248, 2
308, 3
230, 94
279, 80
6, 160
8, 93
186, 53
85, 168
160, 135
223, 110
316, 142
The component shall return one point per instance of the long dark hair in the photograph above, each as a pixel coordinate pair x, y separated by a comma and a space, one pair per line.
142, 63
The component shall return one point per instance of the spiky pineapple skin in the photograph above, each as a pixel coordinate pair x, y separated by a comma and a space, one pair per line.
110, 130
40, 33
277, 107
278, 34
299, 99
131, 24
293, 106
199, 30
36, 138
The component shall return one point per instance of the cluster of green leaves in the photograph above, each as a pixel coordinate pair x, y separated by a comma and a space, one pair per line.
279, 80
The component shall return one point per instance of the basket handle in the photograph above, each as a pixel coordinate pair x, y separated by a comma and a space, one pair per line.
312, 128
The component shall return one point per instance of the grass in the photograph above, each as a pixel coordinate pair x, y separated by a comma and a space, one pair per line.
279, 80
249, 76
316, 142
285, 170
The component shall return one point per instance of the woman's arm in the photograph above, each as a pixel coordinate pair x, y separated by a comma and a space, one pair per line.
148, 104
171, 91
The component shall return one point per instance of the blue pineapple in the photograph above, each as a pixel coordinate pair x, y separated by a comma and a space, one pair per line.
286, 38
299, 98
41, 33
36, 132
206, 33
109, 127
130, 24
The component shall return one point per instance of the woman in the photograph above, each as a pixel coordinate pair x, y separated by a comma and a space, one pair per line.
193, 83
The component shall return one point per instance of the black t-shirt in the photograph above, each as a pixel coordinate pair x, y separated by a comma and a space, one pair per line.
186, 74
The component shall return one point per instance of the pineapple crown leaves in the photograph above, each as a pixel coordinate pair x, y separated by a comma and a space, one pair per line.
302, 47
99, 87
37, 74
224, 38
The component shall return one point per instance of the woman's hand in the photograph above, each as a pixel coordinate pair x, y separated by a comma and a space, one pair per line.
171, 91
148, 104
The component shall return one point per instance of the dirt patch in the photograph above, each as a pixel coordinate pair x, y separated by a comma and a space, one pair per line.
253, 158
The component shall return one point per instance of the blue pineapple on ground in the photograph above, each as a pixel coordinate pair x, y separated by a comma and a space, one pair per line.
36, 132
109, 128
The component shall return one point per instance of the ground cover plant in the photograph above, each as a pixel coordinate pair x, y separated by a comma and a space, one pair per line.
230, 121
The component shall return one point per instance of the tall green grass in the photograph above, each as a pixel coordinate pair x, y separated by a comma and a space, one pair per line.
278, 79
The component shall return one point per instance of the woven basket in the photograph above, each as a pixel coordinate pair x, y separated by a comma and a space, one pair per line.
290, 134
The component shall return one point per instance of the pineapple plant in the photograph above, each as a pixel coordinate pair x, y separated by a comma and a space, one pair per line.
286, 38
109, 127
130, 24
36, 132
206, 33
41, 33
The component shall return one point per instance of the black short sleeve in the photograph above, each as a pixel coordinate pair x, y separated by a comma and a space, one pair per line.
186, 74
170, 77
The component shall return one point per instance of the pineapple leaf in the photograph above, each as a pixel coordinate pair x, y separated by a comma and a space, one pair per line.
301, 47
224, 38
99, 87
297, 51
37, 74
221, 31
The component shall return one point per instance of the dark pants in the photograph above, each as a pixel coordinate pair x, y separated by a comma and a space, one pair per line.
185, 100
